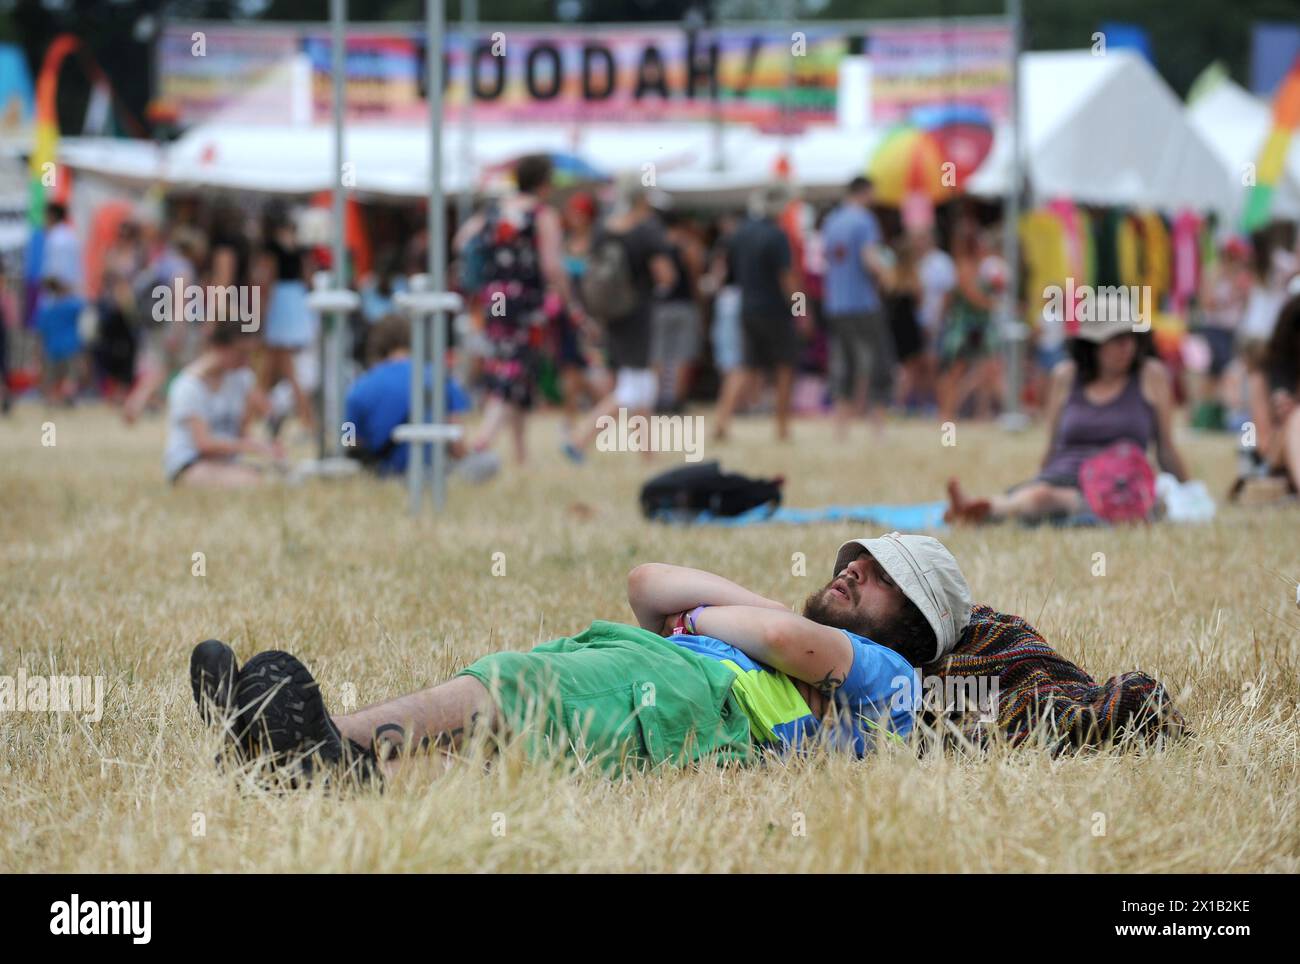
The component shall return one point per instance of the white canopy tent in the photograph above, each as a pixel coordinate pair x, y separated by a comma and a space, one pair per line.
388, 160
1234, 122
1098, 129
1106, 129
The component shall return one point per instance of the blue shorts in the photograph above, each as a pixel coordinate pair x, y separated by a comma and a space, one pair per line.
288, 320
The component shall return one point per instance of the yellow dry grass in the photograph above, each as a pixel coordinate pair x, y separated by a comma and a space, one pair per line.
97, 579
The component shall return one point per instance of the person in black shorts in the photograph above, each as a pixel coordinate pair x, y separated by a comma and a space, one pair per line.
761, 264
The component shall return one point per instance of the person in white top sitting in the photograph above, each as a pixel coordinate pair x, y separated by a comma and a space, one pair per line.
210, 406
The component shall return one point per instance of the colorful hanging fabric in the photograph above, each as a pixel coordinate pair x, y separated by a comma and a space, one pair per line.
1155, 255
1043, 242
1106, 243
1073, 223
1128, 250
1186, 258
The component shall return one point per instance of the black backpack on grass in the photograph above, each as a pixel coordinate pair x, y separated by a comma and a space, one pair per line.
680, 494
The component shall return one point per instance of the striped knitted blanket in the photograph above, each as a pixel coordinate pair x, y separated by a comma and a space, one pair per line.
1043, 696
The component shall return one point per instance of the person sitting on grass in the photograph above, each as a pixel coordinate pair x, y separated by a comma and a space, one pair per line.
1112, 389
211, 405
713, 671
380, 400
1274, 389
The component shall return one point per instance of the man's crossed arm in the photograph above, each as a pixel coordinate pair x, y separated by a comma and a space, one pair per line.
761, 628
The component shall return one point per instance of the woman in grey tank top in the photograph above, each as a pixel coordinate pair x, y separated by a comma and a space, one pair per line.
1112, 389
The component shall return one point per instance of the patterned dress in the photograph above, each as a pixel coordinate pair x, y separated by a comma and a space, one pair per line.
513, 303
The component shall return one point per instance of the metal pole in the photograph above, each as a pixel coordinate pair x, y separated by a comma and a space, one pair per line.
715, 115
437, 240
332, 375
1013, 328
469, 23
787, 98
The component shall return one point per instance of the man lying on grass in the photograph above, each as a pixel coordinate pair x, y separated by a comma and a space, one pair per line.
714, 670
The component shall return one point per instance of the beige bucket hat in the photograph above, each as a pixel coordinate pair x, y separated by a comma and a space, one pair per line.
928, 575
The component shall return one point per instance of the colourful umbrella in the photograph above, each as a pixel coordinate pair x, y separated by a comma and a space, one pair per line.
931, 155
570, 170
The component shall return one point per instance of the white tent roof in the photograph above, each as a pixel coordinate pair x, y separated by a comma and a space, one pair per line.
1234, 122
394, 160
1105, 129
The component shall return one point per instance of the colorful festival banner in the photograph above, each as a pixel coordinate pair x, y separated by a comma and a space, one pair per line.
659, 74
594, 73
204, 69
589, 74
915, 68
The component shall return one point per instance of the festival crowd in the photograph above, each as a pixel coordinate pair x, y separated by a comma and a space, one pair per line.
592, 300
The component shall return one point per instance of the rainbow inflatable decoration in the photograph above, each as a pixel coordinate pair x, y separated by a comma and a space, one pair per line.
911, 159
45, 152
1272, 159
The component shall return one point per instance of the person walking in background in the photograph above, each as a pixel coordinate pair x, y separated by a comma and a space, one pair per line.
967, 362
57, 322
288, 324
862, 353
576, 335
938, 277
719, 282
61, 252
902, 308
761, 263
675, 319
1225, 289
513, 264
164, 345
629, 266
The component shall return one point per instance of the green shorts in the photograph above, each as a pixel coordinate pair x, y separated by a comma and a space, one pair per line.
619, 694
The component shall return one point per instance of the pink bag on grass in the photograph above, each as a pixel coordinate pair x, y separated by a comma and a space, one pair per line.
1118, 484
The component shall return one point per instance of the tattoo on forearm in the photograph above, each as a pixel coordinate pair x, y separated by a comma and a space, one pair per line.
829, 684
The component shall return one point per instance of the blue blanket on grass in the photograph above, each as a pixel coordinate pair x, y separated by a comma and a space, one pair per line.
904, 518
919, 517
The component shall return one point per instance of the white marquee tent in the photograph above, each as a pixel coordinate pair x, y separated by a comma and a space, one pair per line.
1097, 129
1105, 129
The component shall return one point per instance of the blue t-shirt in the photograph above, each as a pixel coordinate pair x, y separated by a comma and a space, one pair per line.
878, 694
56, 321
380, 400
848, 288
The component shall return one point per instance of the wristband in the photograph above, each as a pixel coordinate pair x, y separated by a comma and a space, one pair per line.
691, 616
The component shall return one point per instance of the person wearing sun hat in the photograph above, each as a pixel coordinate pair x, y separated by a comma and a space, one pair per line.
713, 670
1111, 390
927, 574
727, 673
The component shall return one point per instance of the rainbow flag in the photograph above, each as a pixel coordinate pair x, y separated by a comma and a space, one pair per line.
43, 172
1272, 159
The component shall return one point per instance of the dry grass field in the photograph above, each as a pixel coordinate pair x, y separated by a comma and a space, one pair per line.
96, 578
